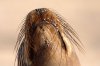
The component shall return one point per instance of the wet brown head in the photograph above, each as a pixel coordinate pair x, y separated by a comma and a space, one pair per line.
47, 40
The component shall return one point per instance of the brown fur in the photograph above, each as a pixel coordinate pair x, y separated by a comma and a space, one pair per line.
47, 40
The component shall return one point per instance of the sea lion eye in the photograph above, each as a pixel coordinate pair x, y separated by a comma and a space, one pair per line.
33, 26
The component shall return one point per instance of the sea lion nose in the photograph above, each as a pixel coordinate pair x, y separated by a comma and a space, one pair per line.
41, 11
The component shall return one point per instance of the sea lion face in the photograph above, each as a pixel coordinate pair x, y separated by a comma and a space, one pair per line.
42, 25
47, 40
